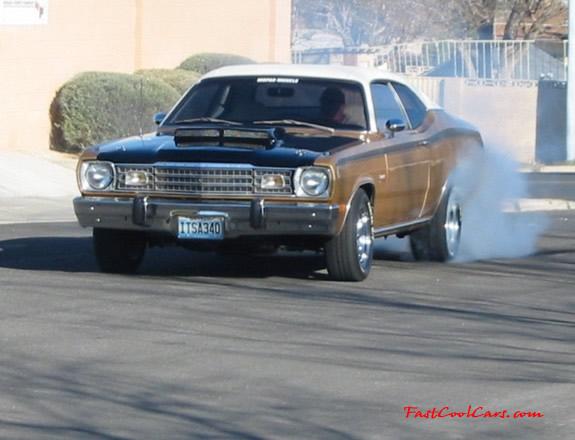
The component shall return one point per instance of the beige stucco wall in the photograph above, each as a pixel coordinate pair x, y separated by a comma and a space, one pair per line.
122, 36
259, 29
505, 114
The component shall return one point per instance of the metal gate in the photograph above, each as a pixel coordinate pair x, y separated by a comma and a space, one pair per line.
550, 145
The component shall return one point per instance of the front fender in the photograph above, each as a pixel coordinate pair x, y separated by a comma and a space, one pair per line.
364, 183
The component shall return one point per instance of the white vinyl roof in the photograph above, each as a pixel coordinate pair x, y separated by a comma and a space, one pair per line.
331, 71
363, 75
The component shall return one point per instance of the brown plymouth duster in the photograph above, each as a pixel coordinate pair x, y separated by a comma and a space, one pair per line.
256, 157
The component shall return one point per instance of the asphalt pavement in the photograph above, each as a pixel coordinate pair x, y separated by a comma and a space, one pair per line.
201, 346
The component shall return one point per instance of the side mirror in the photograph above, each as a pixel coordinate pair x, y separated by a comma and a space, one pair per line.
395, 125
159, 117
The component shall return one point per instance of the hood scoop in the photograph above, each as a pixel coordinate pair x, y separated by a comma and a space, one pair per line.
250, 138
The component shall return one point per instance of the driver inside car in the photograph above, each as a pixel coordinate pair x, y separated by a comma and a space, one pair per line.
332, 106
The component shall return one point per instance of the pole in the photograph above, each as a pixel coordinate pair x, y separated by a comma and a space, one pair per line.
571, 85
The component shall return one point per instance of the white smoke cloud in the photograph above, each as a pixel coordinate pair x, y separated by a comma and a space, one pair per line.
493, 187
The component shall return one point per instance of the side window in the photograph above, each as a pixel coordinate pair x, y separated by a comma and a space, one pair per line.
414, 108
386, 105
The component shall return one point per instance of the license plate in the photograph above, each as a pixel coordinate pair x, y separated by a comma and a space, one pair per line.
201, 228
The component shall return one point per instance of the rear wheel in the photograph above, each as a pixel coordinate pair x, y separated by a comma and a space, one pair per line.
439, 240
119, 251
349, 254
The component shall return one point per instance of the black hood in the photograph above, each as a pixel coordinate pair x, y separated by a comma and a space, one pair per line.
292, 151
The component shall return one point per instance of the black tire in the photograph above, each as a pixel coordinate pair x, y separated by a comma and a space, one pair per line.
439, 240
119, 251
349, 254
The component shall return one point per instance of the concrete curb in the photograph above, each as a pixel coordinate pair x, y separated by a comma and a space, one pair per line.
548, 169
531, 205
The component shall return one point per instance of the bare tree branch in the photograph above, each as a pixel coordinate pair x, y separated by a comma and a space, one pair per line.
377, 22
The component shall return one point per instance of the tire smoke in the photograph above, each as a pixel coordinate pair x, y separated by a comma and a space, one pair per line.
491, 187
492, 225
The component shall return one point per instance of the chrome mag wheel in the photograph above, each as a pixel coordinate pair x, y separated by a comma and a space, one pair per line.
349, 254
452, 224
364, 238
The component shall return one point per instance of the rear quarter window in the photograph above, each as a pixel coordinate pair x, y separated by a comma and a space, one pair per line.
413, 106
386, 105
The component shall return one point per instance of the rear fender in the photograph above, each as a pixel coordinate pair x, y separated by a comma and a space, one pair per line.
464, 177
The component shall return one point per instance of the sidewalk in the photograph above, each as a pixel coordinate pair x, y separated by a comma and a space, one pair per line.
48, 175
37, 188
41, 187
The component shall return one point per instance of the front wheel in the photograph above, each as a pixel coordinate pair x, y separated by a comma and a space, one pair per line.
439, 240
119, 251
349, 254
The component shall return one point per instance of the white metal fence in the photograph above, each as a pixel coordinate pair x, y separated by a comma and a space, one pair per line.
482, 59
515, 60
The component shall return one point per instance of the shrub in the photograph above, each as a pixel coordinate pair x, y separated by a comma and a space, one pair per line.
204, 62
95, 106
179, 79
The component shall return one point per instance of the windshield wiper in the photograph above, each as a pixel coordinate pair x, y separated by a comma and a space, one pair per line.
296, 123
207, 119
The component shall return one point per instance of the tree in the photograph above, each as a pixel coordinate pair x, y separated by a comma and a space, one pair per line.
466, 18
527, 17
523, 19
359, 22
377, 22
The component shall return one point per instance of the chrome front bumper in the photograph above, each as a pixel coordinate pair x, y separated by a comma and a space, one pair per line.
242, 218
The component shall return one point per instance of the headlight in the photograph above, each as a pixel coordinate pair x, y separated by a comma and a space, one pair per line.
312, 182
96, 176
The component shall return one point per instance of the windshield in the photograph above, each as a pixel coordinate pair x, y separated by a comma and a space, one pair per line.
274, 101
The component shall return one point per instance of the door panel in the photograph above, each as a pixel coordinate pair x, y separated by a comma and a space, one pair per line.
401, 195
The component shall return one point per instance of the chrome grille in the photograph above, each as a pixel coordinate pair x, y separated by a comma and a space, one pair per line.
204, 179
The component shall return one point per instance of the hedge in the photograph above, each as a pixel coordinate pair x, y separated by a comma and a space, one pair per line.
179, 79
204, 62
96, 106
